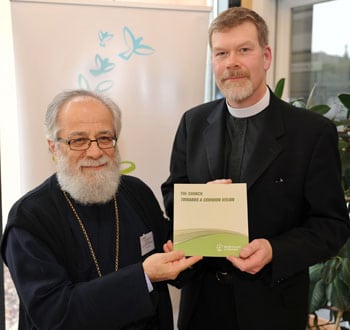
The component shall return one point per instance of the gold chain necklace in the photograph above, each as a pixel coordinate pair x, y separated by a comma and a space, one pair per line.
92, 252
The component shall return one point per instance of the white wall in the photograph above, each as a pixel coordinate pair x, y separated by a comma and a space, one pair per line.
10, 180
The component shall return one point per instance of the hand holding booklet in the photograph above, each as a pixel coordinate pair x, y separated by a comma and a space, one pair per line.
210, 219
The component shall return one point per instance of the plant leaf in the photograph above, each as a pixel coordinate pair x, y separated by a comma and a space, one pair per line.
345, 250
315, 272
279, 87
329, 270
345, 99
311, 95
340, 296
345, 272
317, 297
320, 108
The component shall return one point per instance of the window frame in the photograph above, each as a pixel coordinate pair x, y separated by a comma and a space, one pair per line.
283, 38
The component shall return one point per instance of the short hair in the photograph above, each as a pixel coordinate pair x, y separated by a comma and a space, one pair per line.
235, 16
56, 105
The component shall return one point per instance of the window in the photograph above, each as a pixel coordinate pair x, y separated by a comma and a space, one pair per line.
318, 51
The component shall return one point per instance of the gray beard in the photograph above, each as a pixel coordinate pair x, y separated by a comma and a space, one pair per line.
238, 93
97, 187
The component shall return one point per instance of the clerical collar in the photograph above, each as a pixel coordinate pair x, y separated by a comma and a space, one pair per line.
252, 110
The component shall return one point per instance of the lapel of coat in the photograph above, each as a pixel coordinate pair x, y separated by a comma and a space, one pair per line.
268, 146
213, 135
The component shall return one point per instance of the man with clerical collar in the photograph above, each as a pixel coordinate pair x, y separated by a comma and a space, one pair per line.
289, 160
85, 248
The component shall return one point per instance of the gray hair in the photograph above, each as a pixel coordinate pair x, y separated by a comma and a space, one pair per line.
53, 109
235, 16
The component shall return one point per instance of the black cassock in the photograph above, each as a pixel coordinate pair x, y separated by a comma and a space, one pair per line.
53, 270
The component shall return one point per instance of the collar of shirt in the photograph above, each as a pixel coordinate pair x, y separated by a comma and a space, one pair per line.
252, 110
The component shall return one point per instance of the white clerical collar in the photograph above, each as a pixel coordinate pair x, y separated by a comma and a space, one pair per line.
252, 110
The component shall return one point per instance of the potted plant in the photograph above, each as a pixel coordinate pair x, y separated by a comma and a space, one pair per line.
330, 280
330, 288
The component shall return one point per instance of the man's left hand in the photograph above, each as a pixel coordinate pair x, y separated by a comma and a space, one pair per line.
253, 257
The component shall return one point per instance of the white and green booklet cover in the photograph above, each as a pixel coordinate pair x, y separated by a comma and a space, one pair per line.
210, 219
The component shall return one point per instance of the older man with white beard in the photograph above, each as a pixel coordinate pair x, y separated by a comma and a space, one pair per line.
84, 247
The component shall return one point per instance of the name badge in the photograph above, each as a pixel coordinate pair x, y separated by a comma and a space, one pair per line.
147, 243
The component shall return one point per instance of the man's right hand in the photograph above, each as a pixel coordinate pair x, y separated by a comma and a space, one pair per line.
167, 266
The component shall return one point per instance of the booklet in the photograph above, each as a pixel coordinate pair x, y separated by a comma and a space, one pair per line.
210, 219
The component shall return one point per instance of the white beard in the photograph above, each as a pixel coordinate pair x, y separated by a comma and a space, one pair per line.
97, 187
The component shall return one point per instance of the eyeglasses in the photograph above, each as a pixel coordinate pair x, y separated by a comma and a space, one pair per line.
79, 144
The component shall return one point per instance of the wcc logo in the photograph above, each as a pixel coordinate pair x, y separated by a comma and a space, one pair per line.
219, 247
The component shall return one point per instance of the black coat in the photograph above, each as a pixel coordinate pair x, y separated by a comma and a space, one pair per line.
295, 200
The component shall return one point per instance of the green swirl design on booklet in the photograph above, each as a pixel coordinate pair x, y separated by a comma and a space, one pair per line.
212, 242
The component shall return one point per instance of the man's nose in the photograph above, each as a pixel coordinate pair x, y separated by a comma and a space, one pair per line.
94, 150
232, 60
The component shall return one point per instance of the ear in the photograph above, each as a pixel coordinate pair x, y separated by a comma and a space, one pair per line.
52, 147
267, 57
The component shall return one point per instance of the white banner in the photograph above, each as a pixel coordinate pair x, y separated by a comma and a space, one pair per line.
151, 61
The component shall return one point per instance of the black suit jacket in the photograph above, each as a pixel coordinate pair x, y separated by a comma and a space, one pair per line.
295, 200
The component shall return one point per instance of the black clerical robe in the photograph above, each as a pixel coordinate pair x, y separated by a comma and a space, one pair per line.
55, 275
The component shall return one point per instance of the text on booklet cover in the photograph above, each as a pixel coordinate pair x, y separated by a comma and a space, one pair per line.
210, 219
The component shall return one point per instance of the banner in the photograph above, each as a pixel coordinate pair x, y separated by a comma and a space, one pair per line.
150, 61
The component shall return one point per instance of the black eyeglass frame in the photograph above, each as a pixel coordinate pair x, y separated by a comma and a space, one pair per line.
69, 142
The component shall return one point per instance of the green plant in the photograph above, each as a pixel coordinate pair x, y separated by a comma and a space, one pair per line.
308, 104
330, 280
330, 287
343, 126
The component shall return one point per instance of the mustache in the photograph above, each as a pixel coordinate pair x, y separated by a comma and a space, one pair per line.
94, 162
235, 74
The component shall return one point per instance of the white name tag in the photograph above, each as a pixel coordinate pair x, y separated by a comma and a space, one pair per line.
147, 243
